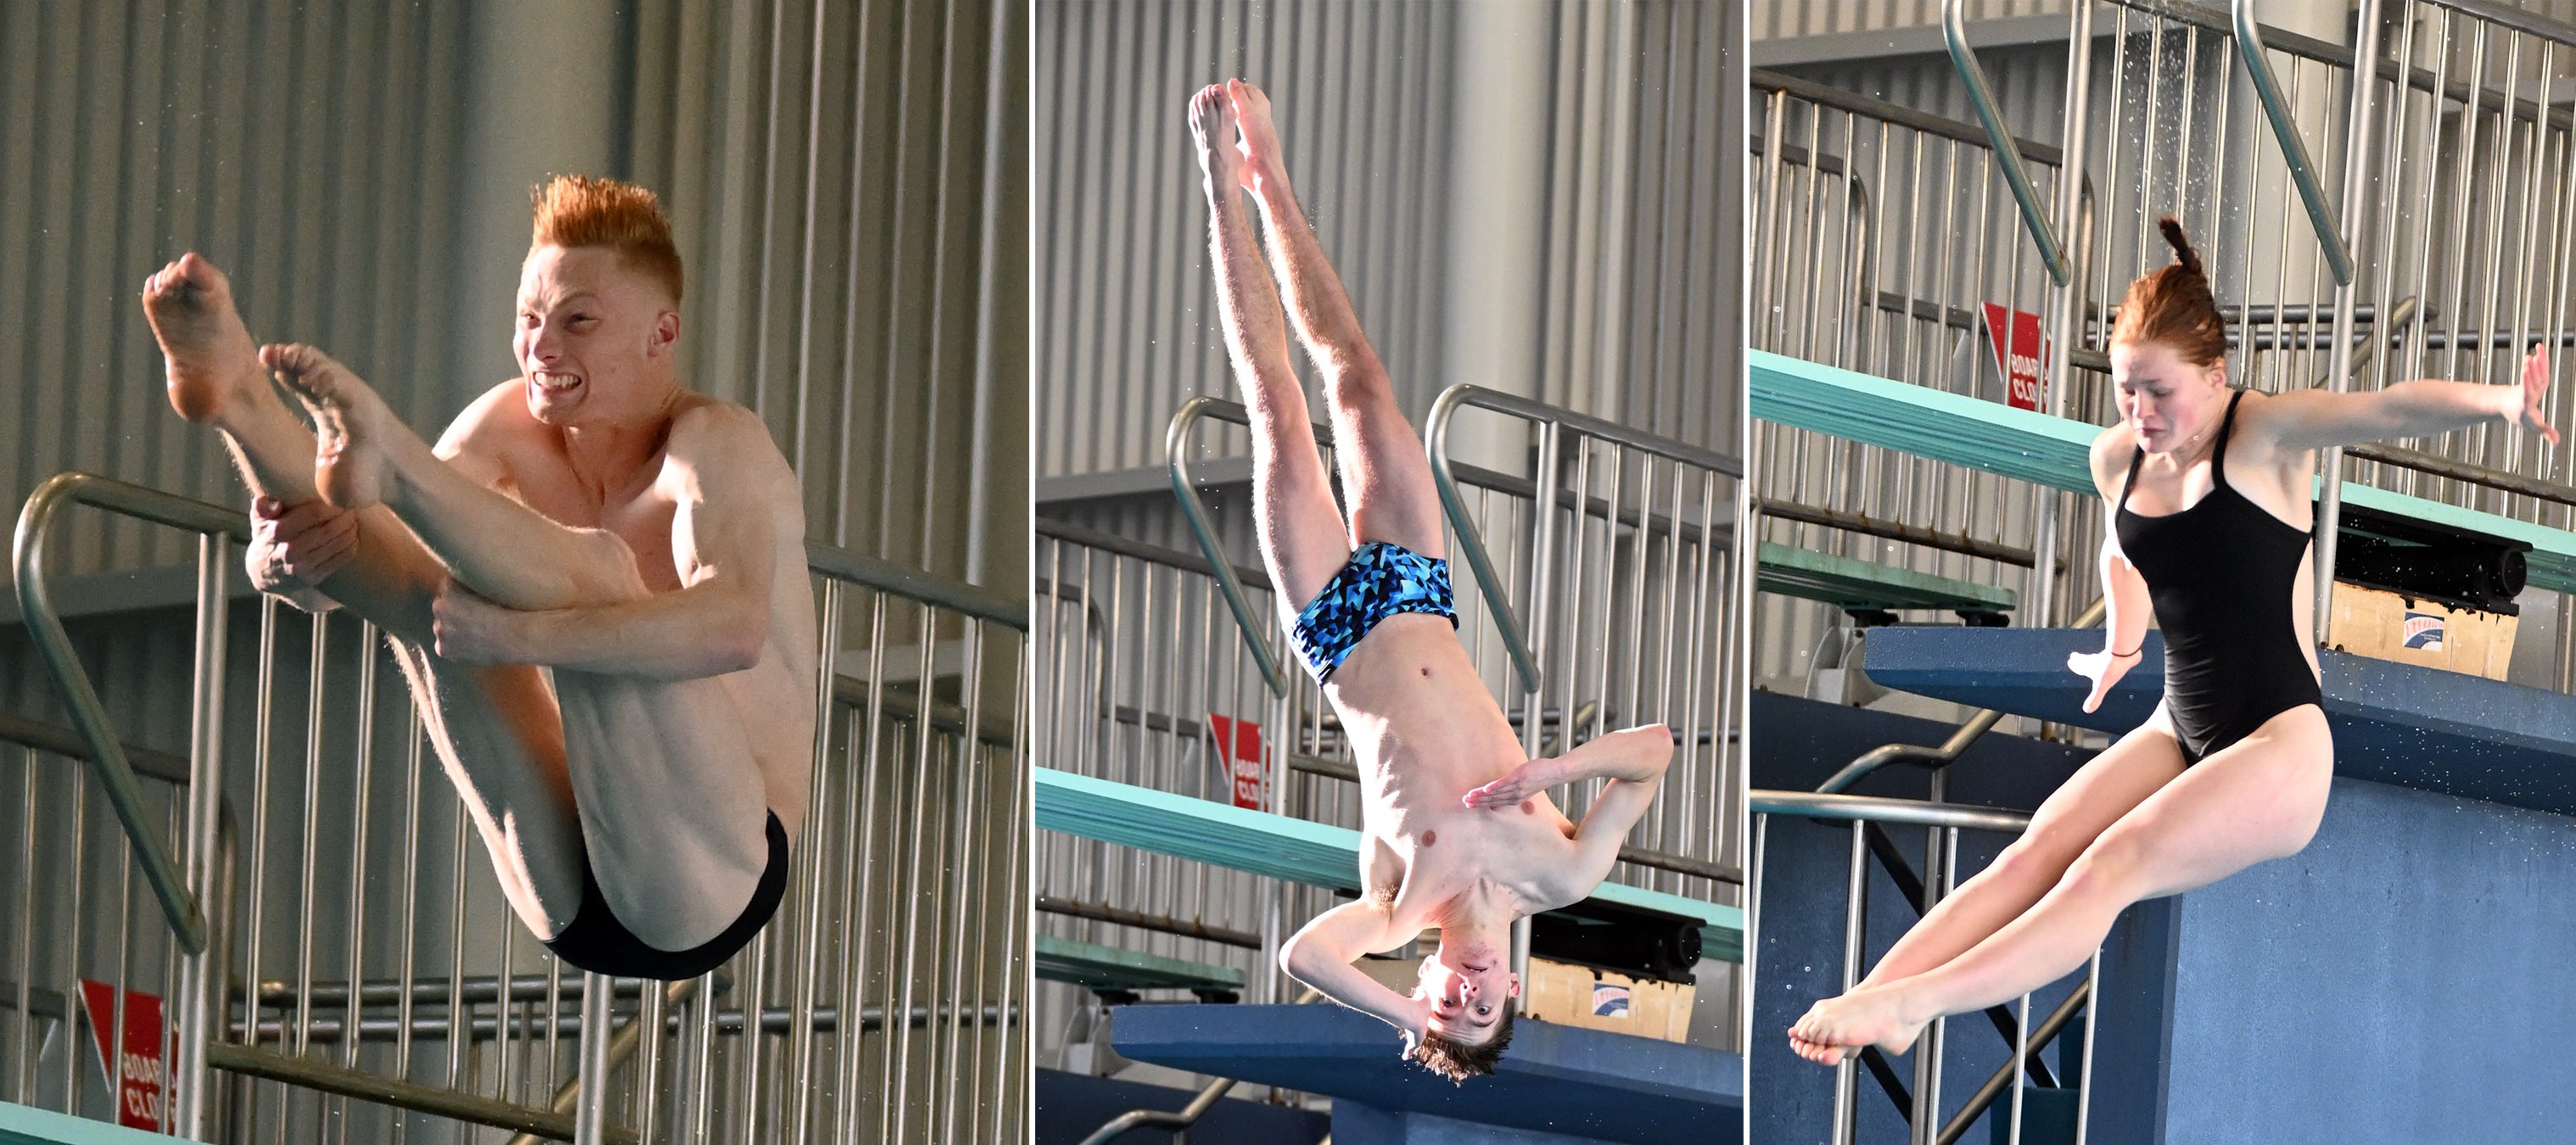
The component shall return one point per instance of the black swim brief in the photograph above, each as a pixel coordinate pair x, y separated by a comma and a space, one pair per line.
597, 942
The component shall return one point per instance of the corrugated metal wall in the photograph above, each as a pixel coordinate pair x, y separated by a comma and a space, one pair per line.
1126, 317
836, 173
144, 128
1778, 19
1370, 98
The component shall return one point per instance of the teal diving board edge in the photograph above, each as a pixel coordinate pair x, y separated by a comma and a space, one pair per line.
1101, 967
1265, 844
27, 1125
1848, 582
2048, 450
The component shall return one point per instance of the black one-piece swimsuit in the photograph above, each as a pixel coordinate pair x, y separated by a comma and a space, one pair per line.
2221, 574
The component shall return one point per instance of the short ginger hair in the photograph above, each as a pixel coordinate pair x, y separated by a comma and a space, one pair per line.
2172, 306
1457, 1060
588, 211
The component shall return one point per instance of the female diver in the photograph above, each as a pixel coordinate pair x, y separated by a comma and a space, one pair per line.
2233, 767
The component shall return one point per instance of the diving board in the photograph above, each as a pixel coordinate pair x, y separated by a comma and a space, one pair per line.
1852, 584
1095, 967
1555, 1084
2051, 451
2399, 724
1315, 854
27, 1125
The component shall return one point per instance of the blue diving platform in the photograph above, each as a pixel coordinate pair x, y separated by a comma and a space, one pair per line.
2398, 724
1315, 854
1555, 1084
2052, 451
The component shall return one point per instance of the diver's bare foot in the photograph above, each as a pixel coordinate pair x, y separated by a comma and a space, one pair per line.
1212, 125
1259, 138
1864, 1017
352, 426
207, 350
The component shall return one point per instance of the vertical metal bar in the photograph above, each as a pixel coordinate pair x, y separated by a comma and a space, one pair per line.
2067, 305
590, 1126
2355, 215
827, 668
2092, 1014
27, 934
316, 702
266, 687
201, 990
1855, 933
1766, 244
357, 868
2021, 1065
409, 965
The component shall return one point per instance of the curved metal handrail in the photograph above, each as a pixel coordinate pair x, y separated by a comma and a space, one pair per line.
1176, 450
1187, 1116
107, 756
2294, 148
89, 717
1967, 734
1435, 434
1954, 35
1881, 809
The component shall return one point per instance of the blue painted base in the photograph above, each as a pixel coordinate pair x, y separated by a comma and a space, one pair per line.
1797, 743
2393, 723
1567, 1084
1357, 1124
2402, 980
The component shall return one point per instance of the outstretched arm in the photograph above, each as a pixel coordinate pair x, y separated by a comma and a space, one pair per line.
1320, 955
739, 512
2318, 419
1325, 321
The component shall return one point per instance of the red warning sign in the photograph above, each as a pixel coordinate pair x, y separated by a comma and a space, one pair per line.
1239, 742
2021, 355
135, 1064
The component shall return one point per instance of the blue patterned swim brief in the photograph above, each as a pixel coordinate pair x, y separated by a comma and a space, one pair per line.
1380, 581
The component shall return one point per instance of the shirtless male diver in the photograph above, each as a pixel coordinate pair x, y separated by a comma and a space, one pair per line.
1458, 832
595, 583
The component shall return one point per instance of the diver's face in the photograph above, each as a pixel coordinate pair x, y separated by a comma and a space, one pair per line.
1467, 1000
2165, 400
590, 332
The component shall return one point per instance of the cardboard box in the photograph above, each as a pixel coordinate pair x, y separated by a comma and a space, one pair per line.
1605, 1000
2389, 626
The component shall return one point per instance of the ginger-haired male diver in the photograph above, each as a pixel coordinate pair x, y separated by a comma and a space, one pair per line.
595, 583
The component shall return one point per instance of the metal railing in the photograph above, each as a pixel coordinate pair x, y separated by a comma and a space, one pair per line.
882, 1003
1943, 822
2034, 218
2294, 146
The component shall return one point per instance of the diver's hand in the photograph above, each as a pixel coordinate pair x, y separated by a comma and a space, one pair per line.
2535, 385
1525, 781
1415, 1022
2104, 668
